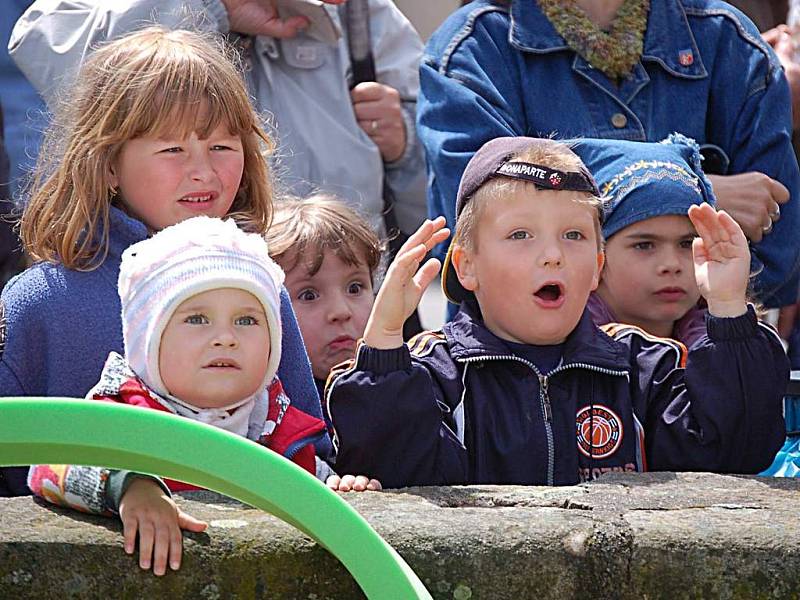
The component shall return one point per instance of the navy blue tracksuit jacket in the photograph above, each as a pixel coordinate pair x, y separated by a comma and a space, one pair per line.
457, 407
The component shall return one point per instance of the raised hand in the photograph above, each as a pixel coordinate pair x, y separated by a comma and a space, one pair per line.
403, 286
721, 261
260, 17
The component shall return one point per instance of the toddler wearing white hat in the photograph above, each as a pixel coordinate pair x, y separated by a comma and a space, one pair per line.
202, 337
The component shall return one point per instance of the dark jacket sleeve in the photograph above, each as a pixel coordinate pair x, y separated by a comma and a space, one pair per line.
390, 421
720, 412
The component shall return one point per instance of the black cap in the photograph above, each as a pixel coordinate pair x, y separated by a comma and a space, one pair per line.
496, 159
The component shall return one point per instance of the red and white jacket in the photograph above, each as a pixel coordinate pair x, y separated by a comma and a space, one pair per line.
279, 426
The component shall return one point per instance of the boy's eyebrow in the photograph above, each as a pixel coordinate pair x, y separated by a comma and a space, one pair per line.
650, 236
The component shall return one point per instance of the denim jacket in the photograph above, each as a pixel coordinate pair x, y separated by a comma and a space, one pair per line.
497, 68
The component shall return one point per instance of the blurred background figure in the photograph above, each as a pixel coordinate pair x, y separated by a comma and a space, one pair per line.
21, 125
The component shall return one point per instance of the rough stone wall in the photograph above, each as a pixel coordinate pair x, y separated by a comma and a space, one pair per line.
625, 536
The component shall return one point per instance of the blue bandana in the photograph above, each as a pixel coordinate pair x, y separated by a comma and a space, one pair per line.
642, 180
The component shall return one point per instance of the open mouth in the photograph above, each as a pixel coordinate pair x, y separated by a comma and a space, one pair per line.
222, 364
550, 295
200, 198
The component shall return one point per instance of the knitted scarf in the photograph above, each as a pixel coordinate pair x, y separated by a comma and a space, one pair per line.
614, 52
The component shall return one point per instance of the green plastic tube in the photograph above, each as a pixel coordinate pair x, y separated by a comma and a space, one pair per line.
85, 432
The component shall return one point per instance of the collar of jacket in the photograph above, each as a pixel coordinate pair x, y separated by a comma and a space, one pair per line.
468, 338
123, 231
669, 42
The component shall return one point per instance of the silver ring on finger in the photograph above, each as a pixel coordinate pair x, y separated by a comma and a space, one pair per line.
767, 228
775, 214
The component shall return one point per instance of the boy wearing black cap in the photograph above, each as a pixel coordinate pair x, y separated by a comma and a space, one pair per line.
521, 387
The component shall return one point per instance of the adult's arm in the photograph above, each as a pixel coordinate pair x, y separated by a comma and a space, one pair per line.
397, 50
469, 94
761, 141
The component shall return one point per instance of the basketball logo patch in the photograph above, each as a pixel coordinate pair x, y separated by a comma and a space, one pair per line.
599, 431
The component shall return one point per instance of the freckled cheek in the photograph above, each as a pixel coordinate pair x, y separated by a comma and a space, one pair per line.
233, 173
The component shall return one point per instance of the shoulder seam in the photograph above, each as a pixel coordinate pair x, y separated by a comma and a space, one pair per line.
464, 33
757, 43
423, 344
619, 330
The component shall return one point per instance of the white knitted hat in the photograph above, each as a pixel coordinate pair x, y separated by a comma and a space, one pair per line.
181, 261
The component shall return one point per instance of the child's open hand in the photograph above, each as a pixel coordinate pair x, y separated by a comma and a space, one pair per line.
721, 261
403, 286
346, 483
145, 508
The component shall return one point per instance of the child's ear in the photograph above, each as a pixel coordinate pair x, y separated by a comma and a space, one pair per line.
601, 261
113, 180
464, 264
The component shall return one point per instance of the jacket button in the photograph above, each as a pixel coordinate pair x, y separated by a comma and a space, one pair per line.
619, 120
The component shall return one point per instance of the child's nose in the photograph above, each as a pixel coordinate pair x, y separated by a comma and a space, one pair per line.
200, 168
339, 309
551, 256
670, 262
225, 337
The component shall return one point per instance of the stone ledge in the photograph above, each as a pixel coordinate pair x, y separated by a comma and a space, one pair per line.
683, 535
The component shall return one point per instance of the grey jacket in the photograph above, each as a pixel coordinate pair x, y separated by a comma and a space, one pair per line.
300, 85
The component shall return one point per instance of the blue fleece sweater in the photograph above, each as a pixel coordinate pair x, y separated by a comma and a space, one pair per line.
60, 325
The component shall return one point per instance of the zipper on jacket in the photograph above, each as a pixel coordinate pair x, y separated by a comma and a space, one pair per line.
548, 409
544, 402
544, 396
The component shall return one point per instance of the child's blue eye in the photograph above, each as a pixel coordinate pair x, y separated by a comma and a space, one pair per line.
519, 235
308, 295
196, 320
172, 150
246, 320
574, 235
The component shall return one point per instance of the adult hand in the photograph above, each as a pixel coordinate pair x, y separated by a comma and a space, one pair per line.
781, 38
360, 483
145, 509
260, 17
752, 199
403, 286
380, 114
721, 261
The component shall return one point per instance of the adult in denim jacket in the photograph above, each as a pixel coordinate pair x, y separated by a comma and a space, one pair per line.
498, 68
